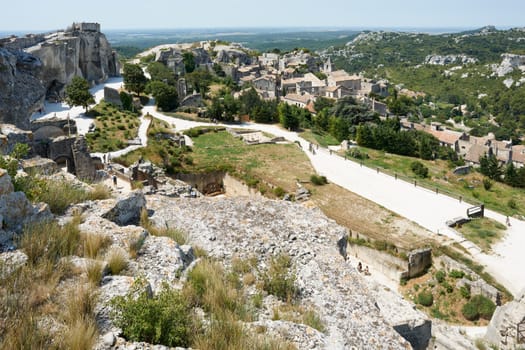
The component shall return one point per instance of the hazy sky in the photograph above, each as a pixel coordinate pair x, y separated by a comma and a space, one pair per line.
31, 15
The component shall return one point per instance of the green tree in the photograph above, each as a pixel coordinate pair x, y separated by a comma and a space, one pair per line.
77, 93
511, 175
490, 167
189, 61
160, 72
134, 78
166, 97
287, 117
322, 103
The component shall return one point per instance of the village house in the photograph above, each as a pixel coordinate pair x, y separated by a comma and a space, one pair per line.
342, 78
266, 85
298, 100
518, 156
268, 59
471, 148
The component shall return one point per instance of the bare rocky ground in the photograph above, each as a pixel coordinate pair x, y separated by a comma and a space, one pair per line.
244, 228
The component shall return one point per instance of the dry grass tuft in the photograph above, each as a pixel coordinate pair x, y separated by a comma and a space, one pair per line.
94, 244
94, 272
117, 260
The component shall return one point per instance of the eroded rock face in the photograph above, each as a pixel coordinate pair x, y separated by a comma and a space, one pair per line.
22, 91
75, 53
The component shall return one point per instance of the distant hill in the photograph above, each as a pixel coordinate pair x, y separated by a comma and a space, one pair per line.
256, 39
483, 69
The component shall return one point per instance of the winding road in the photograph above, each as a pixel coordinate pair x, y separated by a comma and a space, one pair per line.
422, 206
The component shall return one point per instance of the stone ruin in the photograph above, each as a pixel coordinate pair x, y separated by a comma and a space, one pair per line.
49, 141
507, 326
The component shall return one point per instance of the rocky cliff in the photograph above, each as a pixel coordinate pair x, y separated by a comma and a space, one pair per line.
47, 64
21, 92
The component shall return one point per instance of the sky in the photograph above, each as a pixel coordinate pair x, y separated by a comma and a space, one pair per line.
40, 15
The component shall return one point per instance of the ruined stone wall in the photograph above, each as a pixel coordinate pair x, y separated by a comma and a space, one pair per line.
112, 96
20, 43
206, 182
84, 165
387, 264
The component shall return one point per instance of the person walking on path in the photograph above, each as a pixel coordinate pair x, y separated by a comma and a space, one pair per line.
115, 180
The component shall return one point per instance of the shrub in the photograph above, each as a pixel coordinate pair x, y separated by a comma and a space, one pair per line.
163, 319
478, 306
440, 276
355, 152
425, 298
279, 280
447, 287
512, 204
279, 192
456, 274
318, 180
470, 311
465, 291
487, 184
419, 169
117, 260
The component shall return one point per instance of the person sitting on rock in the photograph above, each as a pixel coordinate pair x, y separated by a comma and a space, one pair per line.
367, 272
360, 267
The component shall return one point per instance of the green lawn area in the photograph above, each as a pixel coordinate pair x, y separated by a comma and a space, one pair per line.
278, 164
113, 127
502, 198
483, 232
324, 140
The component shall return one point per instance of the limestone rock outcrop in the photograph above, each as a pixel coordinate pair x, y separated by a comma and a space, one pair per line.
16, 210
22, 91
82, 50
47, 64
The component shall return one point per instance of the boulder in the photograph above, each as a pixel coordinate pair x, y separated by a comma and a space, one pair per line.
127, 209
162, 260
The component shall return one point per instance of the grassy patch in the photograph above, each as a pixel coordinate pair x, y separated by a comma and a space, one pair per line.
161, 150
324, 140
484, 232
257, 165
113, 127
